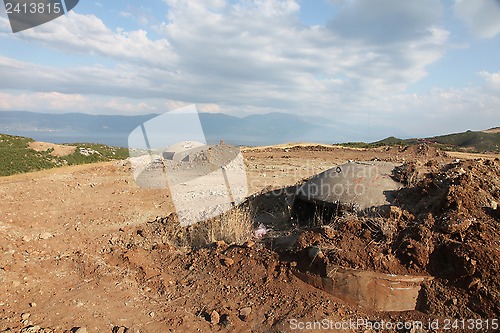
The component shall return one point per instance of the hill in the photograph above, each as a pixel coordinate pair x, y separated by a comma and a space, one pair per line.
469, 141
487, 141
492, 130
19, 155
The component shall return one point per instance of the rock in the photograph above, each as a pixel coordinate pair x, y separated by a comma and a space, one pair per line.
31, 329
45, 235
249, 244
220, 244
120, 329
245, 313
151, 314
214, 317
33, 304
474, 283
494, 205
79, 330
25, 316
228, 262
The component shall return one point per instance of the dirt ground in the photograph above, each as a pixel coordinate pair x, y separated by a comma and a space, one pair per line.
83, 249
57, 150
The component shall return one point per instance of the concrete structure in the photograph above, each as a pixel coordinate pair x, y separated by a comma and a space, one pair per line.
361, 184
183, 151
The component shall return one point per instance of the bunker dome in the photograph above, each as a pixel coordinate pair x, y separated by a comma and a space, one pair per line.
183, 151
361, 185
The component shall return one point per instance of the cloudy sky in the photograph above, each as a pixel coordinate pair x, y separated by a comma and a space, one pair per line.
411, 68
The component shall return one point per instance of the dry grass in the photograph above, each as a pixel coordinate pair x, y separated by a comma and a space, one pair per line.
233, 226
387, 227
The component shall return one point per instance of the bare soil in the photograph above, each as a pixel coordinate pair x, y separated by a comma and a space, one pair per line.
83, 246
57, 150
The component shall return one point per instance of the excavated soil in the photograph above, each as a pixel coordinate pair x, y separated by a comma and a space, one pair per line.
445, 226
83, 247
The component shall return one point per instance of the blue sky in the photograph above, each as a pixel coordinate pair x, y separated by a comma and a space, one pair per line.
382, 67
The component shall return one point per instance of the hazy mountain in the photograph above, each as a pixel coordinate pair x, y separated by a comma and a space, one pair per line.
262, 129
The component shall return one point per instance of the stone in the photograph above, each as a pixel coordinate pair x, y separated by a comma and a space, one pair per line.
214, 317
249, 244
228, 262
45, 235
121, 329
79, 330
220, 244
475, 283
245, 313
25, 316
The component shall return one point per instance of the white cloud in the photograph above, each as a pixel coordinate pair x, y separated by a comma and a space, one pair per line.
55, 102
254, 57
30, 101
247, 53
492, 80
86, 34
441, 111
482, 17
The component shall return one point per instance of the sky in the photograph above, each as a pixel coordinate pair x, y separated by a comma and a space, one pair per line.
410, 68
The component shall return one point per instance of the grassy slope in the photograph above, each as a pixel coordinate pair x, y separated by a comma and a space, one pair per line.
470, 141
17, 157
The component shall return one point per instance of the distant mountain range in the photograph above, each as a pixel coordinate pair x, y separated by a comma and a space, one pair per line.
265, 129
261, 129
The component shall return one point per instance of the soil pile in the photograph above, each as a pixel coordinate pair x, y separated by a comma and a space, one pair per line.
445, 225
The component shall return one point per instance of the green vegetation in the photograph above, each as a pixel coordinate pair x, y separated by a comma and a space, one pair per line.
470, 141
102, 153
17, 157
390, 141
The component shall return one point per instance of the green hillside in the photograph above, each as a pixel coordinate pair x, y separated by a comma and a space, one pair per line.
470, 141
17, 157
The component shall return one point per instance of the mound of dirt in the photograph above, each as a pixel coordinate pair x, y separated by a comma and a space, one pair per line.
445, 225
454, 234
